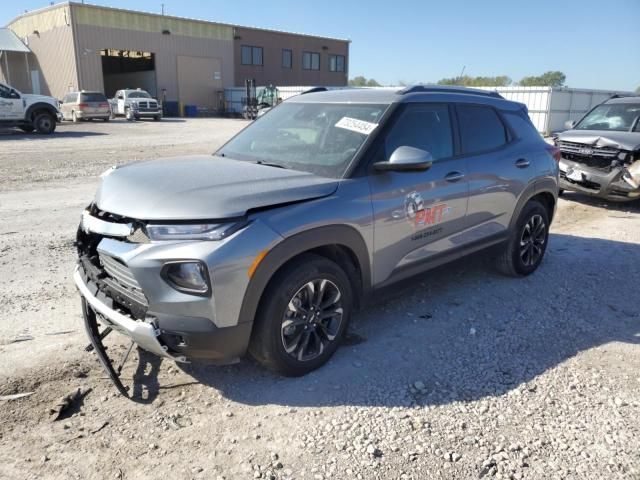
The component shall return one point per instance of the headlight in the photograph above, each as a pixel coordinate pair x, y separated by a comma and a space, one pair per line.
205, 231
188, 277
133, 106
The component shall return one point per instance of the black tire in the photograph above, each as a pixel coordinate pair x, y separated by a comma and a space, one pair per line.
157, 118
276, 324
560, 192
44, 123
106, 119
528, 241
27, 128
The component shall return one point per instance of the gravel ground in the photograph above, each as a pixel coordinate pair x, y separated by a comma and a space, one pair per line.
459, 373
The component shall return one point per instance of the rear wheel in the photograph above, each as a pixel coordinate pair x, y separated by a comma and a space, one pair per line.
303, 316
528, 242
44, 123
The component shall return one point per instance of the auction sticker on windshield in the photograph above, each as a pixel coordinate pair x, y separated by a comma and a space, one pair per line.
355, 125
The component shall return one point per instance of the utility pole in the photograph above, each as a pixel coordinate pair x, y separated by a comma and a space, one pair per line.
162, 4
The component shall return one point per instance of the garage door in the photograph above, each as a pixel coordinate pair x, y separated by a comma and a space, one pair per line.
199, 80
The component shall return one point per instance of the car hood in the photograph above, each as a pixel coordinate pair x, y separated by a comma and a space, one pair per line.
203, 187
603, 138
39, 98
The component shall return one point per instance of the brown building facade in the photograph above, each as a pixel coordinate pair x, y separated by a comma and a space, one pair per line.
86, 47
285, 59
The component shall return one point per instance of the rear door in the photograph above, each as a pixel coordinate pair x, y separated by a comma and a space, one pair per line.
67, 105
417, 214
499, 170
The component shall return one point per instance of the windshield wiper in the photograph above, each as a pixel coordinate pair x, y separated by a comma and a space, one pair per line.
270, 164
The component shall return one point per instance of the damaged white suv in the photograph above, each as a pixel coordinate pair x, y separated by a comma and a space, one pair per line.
601, 152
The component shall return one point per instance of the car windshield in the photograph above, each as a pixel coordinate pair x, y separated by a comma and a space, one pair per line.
92, 97
317, 138
139, 95
622, 117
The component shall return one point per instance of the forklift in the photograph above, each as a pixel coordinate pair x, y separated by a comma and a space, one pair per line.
259, 100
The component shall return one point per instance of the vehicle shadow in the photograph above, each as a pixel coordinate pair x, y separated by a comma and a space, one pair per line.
633, 206
20, 135
464, 331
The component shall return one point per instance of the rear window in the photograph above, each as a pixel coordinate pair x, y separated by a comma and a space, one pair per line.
480, 128
92, 97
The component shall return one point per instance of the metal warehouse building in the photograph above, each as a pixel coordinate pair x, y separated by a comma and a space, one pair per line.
75, 46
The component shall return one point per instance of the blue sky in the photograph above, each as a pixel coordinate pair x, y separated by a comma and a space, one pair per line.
596, 43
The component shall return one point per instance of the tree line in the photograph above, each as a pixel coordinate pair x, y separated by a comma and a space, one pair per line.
547, 79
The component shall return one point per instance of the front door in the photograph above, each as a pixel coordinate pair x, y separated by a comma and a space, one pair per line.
11, 105
418, 214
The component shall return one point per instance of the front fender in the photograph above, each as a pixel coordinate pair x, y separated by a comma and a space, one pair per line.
293, 246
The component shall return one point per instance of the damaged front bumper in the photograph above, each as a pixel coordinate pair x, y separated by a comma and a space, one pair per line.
615, 185
145, 333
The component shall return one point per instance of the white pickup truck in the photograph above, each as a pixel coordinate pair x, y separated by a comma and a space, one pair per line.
135, 104
26, 111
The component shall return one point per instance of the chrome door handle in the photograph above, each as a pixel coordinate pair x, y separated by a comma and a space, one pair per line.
454, 176
523, 163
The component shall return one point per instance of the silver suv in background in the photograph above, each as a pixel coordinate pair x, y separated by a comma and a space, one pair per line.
601, 152
270, 244
77, 106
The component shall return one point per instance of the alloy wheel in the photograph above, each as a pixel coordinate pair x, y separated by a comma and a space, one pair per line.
312, 319
532, 240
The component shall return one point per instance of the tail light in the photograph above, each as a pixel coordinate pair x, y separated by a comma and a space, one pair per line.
104, 105
555, 152
83, 105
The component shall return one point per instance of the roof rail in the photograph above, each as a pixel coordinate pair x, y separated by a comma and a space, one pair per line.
314, 90
447, 89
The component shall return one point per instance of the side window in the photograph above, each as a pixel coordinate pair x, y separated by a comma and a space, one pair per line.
480, 128
521, 125
427, 127
4, 92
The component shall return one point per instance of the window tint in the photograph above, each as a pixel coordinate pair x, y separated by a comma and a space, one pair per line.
480, 128
287, 59
427, 127
92, 97
521, 125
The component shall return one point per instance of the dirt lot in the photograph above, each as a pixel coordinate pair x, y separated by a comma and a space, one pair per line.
466, 374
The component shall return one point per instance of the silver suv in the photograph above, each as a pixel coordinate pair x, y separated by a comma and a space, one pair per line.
270, 244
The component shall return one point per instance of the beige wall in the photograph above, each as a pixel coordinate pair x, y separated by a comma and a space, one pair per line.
52, 47
166, 48
14, 70
271, 72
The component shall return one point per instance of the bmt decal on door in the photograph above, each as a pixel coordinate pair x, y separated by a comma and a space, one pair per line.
419, 215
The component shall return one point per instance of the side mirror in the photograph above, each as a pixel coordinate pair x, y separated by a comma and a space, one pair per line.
569, 124
406, 159
13, 94
120, 97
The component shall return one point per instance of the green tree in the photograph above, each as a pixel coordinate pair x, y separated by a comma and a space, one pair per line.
467, 81
547, 79
361, 81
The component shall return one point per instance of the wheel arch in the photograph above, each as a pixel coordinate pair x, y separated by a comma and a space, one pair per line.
38, 107
339, 243
544, 192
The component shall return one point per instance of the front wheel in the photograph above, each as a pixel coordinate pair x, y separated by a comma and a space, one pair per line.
528, 241
304, 314
44, 123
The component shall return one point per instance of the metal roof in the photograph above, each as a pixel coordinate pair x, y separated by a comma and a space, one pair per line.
9, 42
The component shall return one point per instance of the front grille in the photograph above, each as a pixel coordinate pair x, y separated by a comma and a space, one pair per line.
121, 274
582, 150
